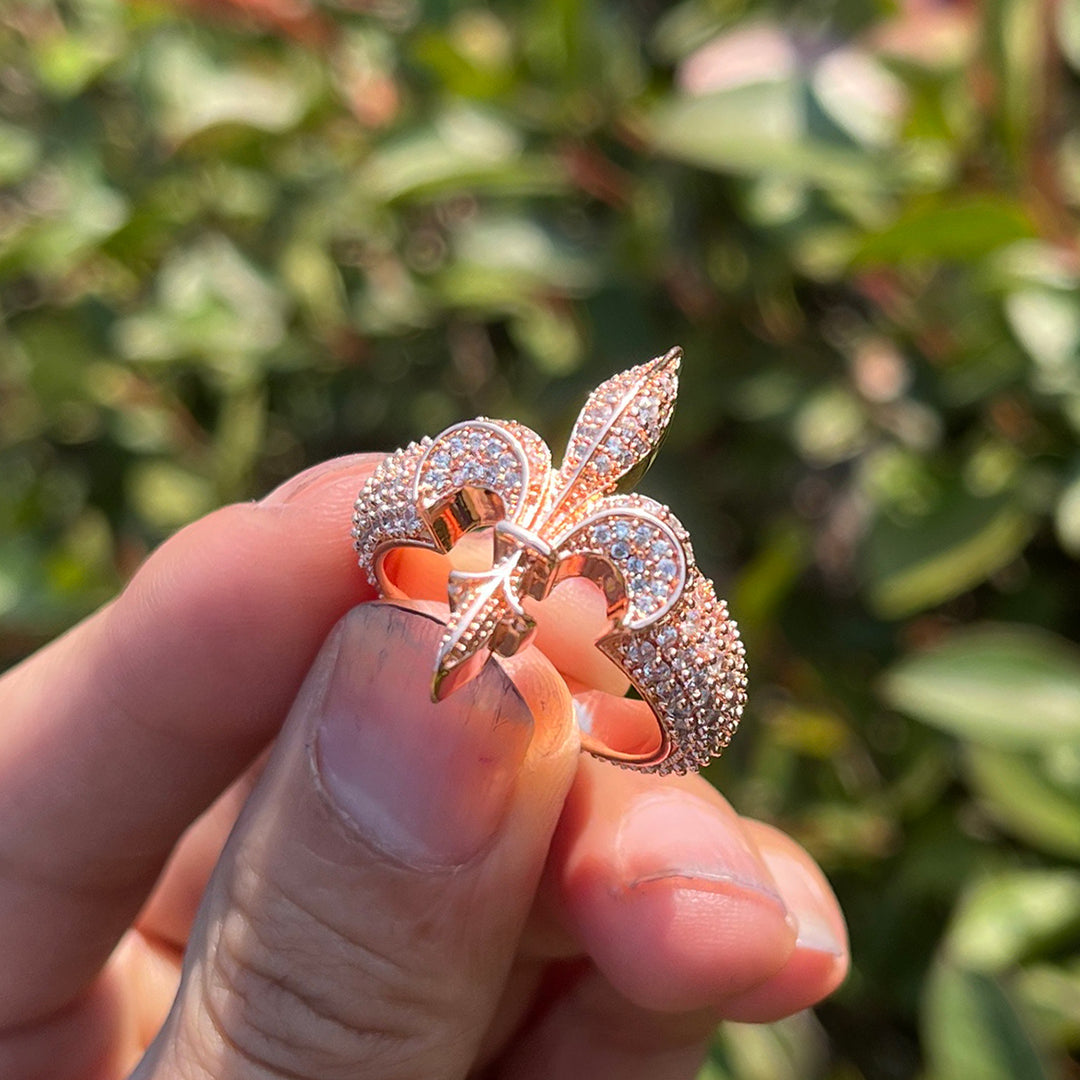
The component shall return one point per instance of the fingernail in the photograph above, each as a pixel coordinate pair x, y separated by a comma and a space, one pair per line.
428, 784
810, 901
313, 479
677, 835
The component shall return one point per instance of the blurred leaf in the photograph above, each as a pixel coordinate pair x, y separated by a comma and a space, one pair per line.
791, 1049
525, 251
1047, 324
19, 150
1009, 685
196, 94
1067, 17
861, 95
167, 495
238, 439
1067, 516
811, 732
1016, 34
968, 230
1026, 796
471, 61
765, 581
78, 210
830, 426
1011, 915
760, 129
212, 302
1051, 994
972, 1031
960, 542
550, 337
712, 1070
67, 62
466, 148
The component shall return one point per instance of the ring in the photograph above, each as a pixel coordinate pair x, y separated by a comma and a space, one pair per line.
667, 631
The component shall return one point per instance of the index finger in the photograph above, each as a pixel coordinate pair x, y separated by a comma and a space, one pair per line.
116, 736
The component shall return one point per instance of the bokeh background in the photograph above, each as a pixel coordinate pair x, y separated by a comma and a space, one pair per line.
235, 240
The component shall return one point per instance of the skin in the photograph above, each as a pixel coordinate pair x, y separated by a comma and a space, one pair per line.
235, 842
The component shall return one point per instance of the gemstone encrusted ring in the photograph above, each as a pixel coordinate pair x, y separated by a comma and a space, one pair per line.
666, 629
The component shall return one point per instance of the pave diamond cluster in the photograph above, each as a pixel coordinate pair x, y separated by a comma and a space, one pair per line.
668, 631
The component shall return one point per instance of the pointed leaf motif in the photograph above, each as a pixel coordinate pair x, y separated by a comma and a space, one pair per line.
479, 602
620, 427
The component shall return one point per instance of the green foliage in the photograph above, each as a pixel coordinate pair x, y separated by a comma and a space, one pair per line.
231, 249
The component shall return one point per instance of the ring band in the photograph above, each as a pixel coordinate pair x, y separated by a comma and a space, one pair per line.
669, 633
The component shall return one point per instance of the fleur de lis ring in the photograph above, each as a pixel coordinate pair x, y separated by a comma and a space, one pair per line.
666, 630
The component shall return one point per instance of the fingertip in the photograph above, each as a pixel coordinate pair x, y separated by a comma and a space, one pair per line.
808, 977
667, 893
680, 946
805, 890
821, 958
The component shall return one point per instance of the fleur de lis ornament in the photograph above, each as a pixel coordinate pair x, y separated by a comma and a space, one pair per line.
668, 632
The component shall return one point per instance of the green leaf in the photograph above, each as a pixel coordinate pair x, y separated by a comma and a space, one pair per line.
1067, 17
761, 129
167, 495
466, 149
1051, 994
67, 62
1067, 515
19, 150
212, 302
939, 555
790, 1049
195, 94
963, 230
1007, 917
1008, 685
1031, 796
1046, 322
971, 1030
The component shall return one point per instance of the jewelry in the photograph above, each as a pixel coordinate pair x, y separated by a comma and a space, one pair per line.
669, 634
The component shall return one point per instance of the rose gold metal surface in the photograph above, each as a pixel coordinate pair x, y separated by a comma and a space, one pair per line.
668, 632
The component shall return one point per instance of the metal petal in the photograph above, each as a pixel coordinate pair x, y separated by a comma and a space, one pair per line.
617, 433
643, 543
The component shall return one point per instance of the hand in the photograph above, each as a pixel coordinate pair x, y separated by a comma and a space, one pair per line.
409, 891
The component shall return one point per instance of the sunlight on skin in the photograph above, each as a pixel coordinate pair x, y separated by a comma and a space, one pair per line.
659, 862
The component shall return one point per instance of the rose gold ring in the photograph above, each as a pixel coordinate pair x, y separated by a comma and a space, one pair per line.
667, 631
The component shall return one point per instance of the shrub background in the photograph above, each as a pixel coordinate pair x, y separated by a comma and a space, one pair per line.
233, 244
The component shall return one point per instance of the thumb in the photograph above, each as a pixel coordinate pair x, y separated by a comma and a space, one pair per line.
367, 907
